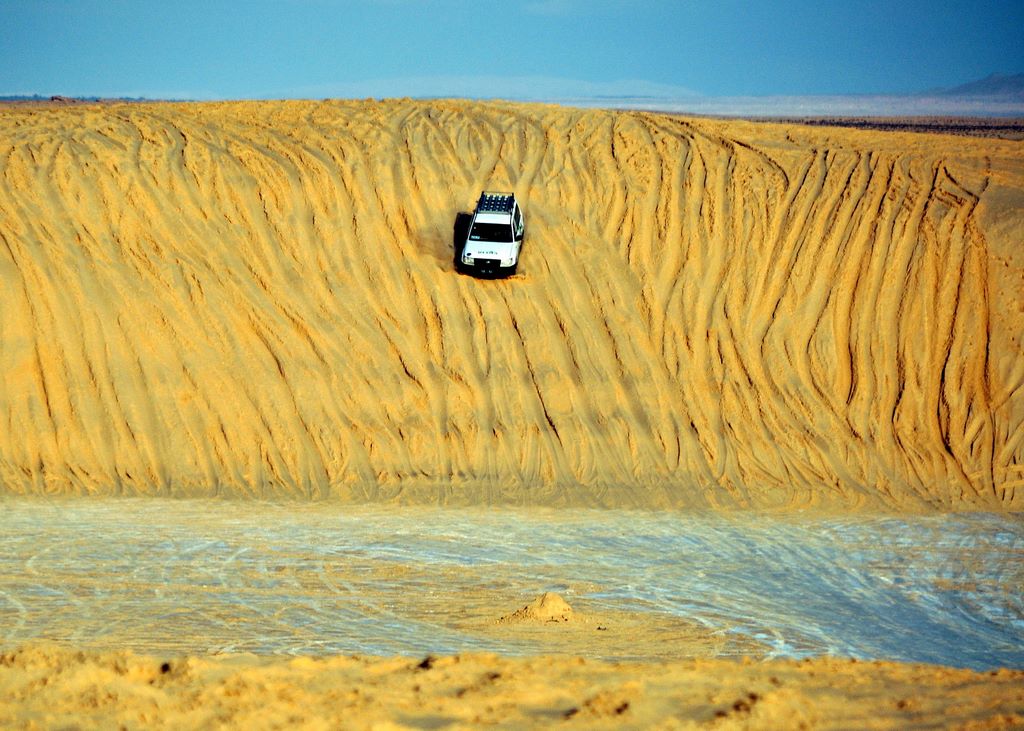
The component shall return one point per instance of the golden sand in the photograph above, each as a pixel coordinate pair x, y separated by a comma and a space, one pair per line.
57, 688
258, 299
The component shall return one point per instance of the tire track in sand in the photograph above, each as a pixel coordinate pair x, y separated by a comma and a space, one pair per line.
257, 299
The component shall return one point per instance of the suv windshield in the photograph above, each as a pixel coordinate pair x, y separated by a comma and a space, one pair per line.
491, 232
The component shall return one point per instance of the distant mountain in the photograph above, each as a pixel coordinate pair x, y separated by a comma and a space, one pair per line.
1009, 86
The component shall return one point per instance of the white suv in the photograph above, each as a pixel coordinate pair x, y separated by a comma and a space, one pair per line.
488, 242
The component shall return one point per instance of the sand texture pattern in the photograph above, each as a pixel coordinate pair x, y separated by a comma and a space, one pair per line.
43, 686
258, 299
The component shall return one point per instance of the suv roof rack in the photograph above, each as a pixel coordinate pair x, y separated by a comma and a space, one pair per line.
495, 202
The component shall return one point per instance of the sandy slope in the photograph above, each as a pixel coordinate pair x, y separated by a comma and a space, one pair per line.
258, 299
50, 687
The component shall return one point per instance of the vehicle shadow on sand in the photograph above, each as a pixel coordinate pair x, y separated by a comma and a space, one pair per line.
442, 248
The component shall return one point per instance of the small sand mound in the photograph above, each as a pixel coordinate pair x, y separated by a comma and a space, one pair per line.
548, 607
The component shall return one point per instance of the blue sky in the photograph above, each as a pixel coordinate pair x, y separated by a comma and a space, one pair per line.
320, 48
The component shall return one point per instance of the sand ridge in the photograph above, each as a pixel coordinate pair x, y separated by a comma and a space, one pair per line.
257, 299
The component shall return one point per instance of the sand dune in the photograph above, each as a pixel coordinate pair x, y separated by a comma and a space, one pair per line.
257, 299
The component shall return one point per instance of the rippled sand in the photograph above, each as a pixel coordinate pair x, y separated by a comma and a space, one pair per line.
257, 299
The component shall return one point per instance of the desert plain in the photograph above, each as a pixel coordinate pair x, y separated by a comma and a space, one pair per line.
243, 302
